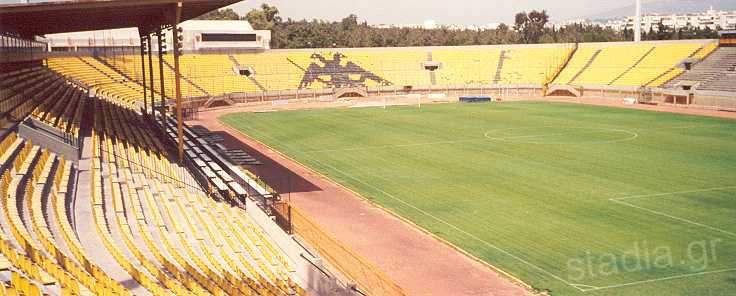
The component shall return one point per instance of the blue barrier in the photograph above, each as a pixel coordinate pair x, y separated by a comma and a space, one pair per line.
474, 99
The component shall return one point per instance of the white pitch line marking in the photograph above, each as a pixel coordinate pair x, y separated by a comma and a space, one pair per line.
450, 225
620, 200
673, 193
632, 136
486, 137
658, 279
585, 288
397, 145
432, 216
674, 217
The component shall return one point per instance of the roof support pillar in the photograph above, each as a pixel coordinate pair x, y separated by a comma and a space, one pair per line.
149, 43
177, 51
143, 73
162, 109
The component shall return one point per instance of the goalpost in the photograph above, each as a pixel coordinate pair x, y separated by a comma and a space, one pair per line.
411, 100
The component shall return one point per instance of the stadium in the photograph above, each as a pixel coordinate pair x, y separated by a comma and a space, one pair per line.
188, 157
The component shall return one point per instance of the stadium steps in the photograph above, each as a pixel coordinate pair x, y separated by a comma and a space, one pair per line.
585, 67
663, 78
633, 66
143, 231
673, 73
103, 173
109, 84
31, 184
564, 64
709, 71
270, 268
166, 231
114, 79
31, 97
725, 82
432, 74
705, 51
252, 79
159, 208
42, 224
112, 67
98, 69
499, 69
81, 227
124, 74
49, 202
197, 246
119, 242
186, 79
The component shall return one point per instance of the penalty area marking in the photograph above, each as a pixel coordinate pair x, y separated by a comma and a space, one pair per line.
621, 201
673, 193
587, 288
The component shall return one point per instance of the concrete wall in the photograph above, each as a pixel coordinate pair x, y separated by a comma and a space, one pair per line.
310, 270
30, 130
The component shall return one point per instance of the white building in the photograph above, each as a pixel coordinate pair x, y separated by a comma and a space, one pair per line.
429, 24
204, 35
198, 35
711, 18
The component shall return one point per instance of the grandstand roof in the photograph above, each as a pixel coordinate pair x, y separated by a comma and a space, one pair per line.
31, 19
217, 25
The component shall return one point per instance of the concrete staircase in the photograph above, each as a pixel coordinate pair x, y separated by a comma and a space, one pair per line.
716, 72
256, 82
633, 66
587, 65
499, 68
725, 82
186, 79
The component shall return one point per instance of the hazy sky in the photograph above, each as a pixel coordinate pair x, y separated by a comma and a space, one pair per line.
442, 11
416, 11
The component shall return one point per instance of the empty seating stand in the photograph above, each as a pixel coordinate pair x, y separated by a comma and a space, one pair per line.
34, 253
715, 73
159, 228
222, 175
648, 64
170, 234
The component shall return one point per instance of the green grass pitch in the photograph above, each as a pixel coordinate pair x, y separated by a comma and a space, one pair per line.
579, 200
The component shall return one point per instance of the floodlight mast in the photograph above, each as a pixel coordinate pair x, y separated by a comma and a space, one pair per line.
637, 22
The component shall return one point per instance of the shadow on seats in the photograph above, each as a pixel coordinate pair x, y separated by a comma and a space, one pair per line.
279, 177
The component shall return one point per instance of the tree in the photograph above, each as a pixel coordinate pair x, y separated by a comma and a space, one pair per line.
531, 25
529, 28
265, 18
651, 35
222, 14
663, 32
349, 23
